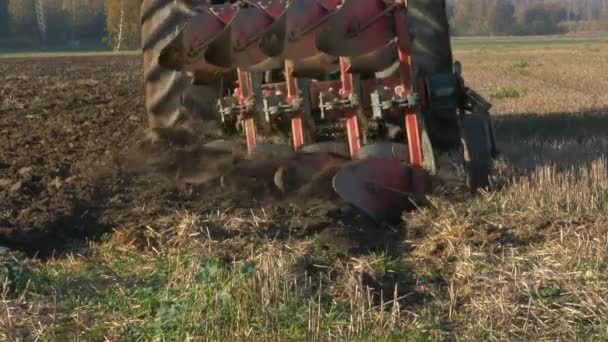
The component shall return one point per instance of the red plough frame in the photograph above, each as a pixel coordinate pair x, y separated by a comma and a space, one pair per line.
302, 38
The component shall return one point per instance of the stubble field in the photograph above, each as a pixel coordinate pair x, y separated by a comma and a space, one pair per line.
92, 252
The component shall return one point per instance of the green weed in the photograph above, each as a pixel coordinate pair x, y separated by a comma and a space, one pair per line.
505, 93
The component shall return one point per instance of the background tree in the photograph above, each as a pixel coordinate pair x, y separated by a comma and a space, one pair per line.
4, 20
542, 19
57, 21
122, 24
464, 18
23, 23
604, 22
501, 17
90, 20
482, 17
87, 18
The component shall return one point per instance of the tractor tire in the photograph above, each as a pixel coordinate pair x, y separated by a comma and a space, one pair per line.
430, 36
477, 147
432, 54
171, 98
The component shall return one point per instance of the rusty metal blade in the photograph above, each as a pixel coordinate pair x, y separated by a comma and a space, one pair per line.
303, 20
375, 61
292, 37
356, 28
379, 187
315, 67
186, 52
384, 149
393, 70
219, 50
331, 147
239, 46
273, 41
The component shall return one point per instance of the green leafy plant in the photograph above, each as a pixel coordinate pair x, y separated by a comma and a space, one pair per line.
505, 93
521, 65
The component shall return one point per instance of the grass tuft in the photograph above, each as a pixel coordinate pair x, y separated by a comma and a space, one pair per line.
505, 93
521, 65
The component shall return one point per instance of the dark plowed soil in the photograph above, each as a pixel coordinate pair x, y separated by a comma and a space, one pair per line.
66, 125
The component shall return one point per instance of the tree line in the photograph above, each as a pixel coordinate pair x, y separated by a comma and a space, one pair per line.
115, 23
527, 17
35, 23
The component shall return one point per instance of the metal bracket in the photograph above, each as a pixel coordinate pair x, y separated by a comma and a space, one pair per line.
277, 104
474, 102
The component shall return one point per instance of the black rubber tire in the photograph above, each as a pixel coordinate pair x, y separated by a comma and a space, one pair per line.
170, 96
431, 50
429, 30
477, 152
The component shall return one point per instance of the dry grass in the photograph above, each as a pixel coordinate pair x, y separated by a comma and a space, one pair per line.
528, 261
550, 78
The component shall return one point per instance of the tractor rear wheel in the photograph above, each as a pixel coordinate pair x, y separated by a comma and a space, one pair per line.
171, 98
431, 48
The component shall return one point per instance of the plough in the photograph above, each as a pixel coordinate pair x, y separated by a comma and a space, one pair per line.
378, 75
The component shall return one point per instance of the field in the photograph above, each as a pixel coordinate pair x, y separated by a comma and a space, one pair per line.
93, 251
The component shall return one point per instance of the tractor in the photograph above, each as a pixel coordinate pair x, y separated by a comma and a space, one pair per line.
371, 81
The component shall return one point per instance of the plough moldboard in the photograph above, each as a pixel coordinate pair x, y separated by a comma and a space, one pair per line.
379, 70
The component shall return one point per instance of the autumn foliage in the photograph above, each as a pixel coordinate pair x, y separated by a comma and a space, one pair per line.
122, 23
70, 22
